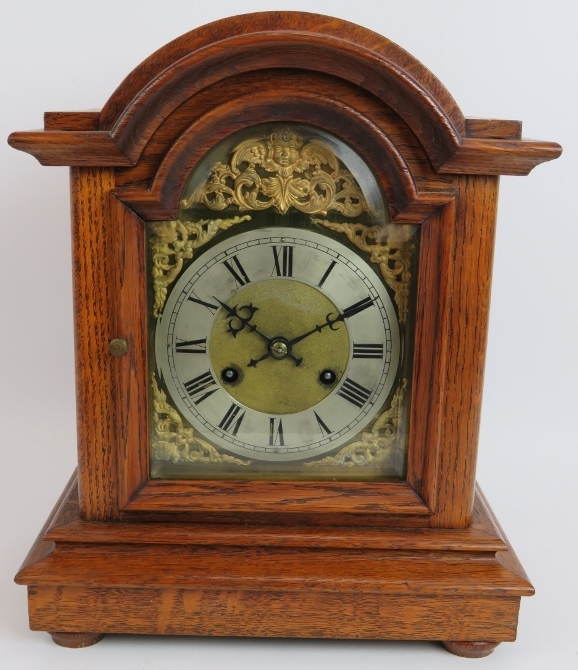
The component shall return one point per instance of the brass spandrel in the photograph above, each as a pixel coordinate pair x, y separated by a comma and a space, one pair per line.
173, 441
379, 447
174, 242
390, 247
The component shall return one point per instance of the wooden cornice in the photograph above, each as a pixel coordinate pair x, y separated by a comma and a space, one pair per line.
264, 41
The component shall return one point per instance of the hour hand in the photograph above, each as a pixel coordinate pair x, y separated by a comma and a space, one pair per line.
253, 362
254, 329
237, 321
277, 349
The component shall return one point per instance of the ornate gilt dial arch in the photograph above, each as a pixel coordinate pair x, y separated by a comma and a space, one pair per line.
305, 175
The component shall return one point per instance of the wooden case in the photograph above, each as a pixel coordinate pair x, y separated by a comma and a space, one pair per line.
420, 559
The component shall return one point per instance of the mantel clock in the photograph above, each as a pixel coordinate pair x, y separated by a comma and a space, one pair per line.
282, 234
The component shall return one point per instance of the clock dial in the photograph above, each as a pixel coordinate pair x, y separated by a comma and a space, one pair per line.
278, 344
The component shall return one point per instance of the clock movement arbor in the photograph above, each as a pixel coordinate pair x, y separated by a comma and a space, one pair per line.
283, 230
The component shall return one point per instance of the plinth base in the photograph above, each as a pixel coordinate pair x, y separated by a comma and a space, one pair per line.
342, 583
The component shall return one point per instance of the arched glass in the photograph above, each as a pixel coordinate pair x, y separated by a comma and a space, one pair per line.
280, 316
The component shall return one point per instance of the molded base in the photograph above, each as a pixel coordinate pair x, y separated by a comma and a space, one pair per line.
201, 579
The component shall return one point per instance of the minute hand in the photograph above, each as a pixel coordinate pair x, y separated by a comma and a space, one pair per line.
352, 310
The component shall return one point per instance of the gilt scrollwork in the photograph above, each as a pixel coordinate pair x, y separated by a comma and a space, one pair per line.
281, 170
381, 447
172, 243
390, 248
171, 441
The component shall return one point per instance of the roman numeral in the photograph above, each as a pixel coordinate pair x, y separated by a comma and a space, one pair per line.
327, 273
240, 276
200, 386
274, 437
367, 350
322, 426
196, 347
353, 392
283, 261
228, 423
357, 307
212, 308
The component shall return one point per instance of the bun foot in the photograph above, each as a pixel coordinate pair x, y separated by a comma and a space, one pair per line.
470, 649
76, 640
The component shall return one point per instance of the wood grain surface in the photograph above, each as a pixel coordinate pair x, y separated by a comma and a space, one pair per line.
279, 497
87, 120
272, 613
494, 129
130, 370
70, 147
95, 319
465, 296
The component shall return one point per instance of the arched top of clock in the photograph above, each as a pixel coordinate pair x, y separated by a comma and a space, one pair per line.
160, 199
288, 41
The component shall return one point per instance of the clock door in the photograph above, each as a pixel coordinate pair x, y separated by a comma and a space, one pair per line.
281, 304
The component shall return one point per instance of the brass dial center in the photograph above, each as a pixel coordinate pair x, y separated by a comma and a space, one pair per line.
287, 380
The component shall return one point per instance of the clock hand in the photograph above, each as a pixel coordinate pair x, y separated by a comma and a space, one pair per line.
354, 309
244, 321
317, 329
232, 311
253, 329
286, 354
348, 312
253, 363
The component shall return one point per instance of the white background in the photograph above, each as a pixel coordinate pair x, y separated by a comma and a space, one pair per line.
512, 59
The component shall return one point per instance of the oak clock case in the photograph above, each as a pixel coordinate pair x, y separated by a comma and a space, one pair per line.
283, 230
279, 305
